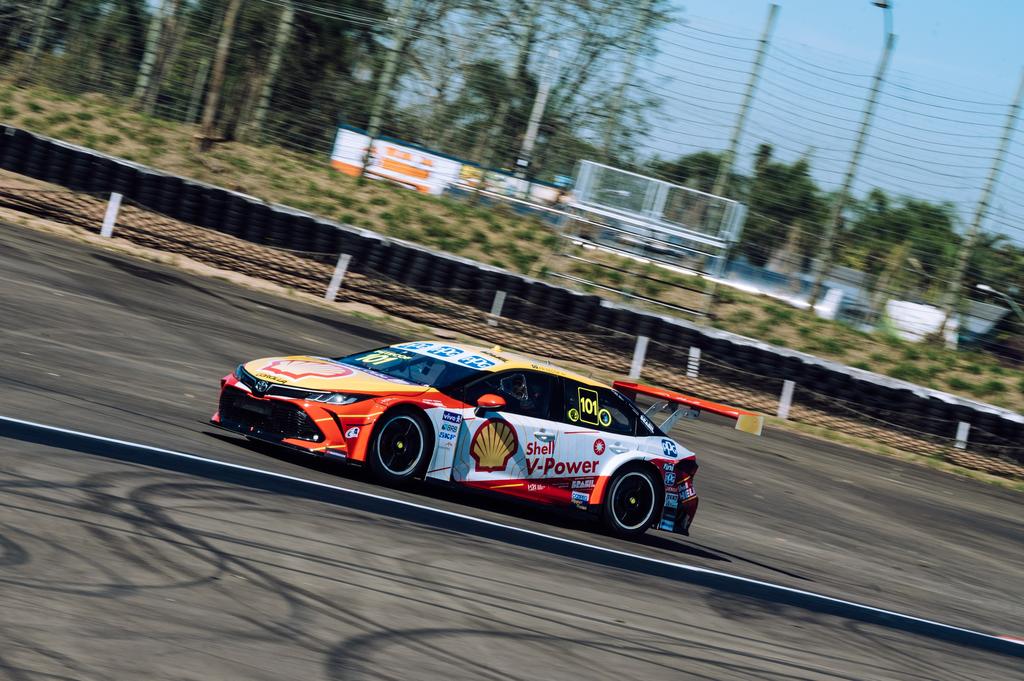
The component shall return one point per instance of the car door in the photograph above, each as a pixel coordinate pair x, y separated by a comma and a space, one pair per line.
502, 449
596, 426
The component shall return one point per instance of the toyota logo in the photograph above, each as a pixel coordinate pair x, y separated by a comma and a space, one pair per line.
262, 387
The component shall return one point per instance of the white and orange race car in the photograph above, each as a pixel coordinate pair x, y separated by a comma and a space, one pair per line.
483, 418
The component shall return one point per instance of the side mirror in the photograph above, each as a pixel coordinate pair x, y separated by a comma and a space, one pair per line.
491, 402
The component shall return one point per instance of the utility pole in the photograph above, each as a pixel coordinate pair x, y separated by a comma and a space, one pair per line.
825, 253
42, 22
643, 12
981, 210
204, 140
729, 157
530, 138
284, 33
399, 34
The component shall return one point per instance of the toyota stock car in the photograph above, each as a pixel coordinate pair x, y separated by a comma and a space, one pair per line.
484, 418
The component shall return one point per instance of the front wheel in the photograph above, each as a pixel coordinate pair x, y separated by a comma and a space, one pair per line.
632, 503
399, 447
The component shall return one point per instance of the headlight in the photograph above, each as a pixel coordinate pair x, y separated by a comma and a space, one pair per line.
241, 374
334, 398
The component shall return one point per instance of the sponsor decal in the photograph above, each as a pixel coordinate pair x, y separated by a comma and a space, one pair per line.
494, 443
540, 448
668, 447
551, 466
383, 357
452, 417
647, 422
598, 447
670, 479
477, 362
534, 487
671, 500
301, 368
352, 432
445, 351
449, 431
669, 467
590, 410
583, 483
667, 524
581, 499
686, 490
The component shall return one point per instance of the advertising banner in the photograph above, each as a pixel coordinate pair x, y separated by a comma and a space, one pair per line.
406, 165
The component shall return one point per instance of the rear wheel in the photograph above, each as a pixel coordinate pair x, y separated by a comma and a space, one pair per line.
398, 449
632, 503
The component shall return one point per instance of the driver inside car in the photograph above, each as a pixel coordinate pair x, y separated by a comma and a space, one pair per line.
516, 392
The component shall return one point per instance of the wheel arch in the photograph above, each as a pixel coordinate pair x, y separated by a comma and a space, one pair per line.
408, 406
600, 487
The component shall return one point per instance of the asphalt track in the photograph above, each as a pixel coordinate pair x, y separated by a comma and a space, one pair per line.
112, 568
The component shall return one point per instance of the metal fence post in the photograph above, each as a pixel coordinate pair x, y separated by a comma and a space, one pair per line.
693, 363
339, 274
110, 218
499, 302
962, 429
785, 399
639, 354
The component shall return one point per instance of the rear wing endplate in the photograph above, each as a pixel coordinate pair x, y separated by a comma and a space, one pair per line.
746, 421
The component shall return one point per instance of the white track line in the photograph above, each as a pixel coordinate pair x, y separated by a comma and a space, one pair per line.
462, 516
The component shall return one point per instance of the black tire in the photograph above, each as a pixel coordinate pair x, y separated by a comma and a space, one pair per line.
400, 446
633, 502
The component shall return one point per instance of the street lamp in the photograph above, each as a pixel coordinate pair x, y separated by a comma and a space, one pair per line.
1013, 304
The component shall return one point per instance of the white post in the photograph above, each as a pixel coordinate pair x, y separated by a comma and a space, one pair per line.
693, 363
110, 219
499, 302
639, 353
962, 429
339, 274
785, 399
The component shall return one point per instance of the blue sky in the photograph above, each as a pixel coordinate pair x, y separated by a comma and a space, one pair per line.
954, 72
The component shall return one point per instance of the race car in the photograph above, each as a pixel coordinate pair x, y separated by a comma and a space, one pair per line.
483, 418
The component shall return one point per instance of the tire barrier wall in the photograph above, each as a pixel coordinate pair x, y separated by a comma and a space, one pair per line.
749, 366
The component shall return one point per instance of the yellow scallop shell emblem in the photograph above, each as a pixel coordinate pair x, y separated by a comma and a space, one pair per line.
493, 445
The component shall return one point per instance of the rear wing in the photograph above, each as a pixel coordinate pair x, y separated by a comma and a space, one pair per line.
746, 421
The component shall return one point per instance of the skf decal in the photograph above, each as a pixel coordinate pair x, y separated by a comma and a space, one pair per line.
352, 432
493, 445
668, 447
300, 368
598, 447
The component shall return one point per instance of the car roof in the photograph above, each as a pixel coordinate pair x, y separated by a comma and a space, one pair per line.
510, 360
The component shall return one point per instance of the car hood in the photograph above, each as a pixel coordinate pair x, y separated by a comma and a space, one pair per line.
318, 373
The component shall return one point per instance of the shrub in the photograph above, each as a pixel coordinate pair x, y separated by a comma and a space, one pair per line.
973, 369
379, 201
526, 234
861, 365
741, 316
880, 358
152, 140
348, 218
34, 107
957, 383
84, 115
1020, 386
777, 341
911, 353
907, 372
8, 111
805, 331
991, 387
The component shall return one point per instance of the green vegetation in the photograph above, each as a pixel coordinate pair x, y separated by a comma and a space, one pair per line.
498, 236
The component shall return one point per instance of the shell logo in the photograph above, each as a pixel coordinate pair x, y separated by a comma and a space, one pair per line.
301, 368
493, 445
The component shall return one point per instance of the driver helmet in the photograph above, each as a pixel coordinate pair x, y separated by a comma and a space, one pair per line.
515, 385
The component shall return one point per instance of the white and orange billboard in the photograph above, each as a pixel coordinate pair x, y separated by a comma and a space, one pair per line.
415, 168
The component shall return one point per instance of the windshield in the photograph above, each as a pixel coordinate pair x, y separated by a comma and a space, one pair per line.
408, 365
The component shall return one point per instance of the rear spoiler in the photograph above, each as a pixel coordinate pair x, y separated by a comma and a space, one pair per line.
746, 421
